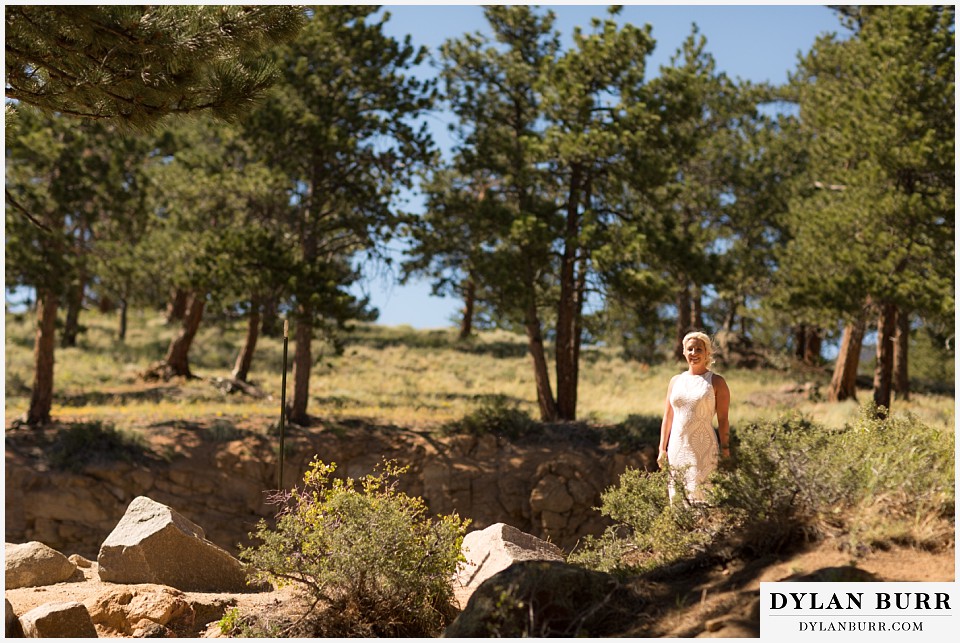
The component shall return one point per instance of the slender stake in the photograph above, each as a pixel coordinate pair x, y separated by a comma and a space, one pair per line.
283, 400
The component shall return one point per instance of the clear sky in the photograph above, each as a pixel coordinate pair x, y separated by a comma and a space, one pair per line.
756, 42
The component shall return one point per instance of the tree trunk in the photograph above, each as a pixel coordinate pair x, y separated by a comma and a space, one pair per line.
697, 307
883, 374
469, 300
177, 305
71, 324
242, 366
41, 397
122, 329
545, 400
800, 341
683, 320
302, 362
567, 305
843, 385
105, 304
812, 345
176, 360
901, 373
270, 324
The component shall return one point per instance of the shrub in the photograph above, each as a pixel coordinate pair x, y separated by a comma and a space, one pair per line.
365, 551
648, 529
234, 624
78, 445
499, 416
636, 432
903, 479
880, 480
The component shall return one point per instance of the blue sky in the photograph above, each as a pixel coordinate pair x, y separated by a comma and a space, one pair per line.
752, 42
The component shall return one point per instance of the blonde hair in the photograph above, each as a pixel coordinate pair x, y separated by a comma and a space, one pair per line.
707, 344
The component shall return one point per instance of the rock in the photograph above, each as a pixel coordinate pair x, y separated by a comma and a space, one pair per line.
34, 564
58, 620
546, 599
12, 627
125, 611
80, 561
152, 543
495, 548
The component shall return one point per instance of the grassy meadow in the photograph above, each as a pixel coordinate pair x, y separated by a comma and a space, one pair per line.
385, 375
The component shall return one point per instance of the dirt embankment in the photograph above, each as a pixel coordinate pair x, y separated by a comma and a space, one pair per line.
547, 485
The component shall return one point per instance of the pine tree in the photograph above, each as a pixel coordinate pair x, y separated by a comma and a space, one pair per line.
338, 125
137, 64
879, 113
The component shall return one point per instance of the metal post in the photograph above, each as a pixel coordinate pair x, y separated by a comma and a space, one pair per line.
283, 400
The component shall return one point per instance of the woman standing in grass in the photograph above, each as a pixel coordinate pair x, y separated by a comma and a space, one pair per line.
687, 439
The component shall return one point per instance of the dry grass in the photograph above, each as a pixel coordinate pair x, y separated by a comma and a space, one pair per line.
386, 375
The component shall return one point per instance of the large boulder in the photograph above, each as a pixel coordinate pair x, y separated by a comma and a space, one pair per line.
491, 550
152, 543
547, 599
58, 620
34, 564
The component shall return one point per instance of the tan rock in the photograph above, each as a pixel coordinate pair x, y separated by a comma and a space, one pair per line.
58, 620
495, 548
34, 564
152, 543
123, 611
80, 561
551, 494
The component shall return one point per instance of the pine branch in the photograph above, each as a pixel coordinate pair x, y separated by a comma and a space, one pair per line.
16, 204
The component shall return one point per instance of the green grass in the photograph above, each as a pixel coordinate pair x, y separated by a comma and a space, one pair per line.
385, 375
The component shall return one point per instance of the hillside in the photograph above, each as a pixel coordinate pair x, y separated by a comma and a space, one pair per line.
385, 375
460, 415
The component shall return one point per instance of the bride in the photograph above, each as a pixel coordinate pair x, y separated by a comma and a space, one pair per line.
688, 442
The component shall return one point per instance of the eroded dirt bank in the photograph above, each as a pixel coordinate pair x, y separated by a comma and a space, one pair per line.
547, 485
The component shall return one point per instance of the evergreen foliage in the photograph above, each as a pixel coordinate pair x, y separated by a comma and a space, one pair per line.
137, 64
585, 202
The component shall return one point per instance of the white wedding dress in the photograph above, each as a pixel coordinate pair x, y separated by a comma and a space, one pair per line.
693, 451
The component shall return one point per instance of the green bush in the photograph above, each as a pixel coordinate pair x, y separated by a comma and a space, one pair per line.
234, 624
882, 479
648, 530
497, 415
75, 446
365, 551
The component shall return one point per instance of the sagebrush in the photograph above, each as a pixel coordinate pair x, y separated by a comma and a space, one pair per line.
365, 553
879, 480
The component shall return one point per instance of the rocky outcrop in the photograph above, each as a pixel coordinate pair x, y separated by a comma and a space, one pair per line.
142, 611
152, 543
33, 564
492, 550
546, 485
58, 620
546, 599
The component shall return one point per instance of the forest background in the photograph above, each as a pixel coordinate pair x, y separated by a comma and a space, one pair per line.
774, 217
